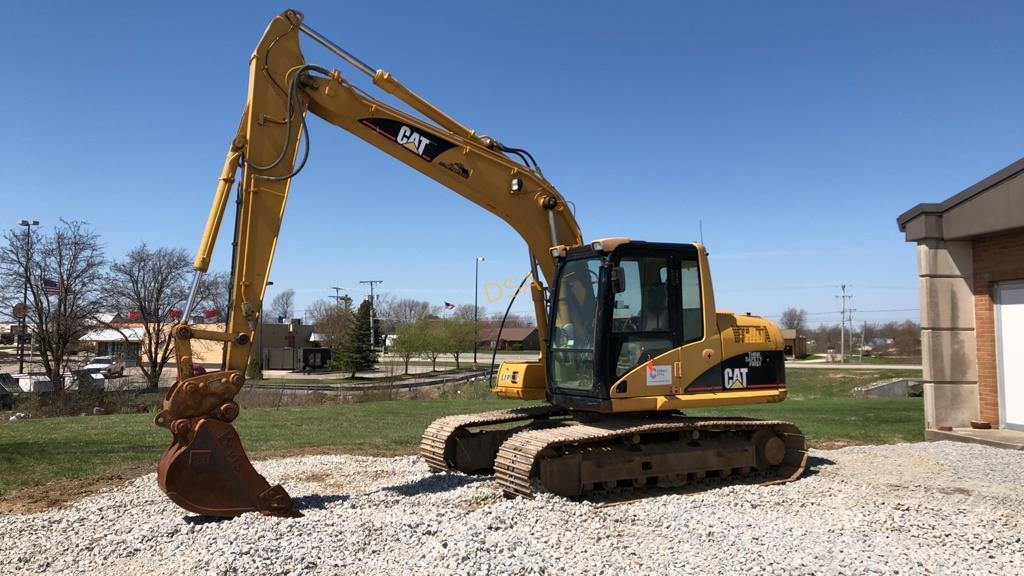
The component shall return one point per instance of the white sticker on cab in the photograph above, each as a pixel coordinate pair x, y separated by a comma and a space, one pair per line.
659, 375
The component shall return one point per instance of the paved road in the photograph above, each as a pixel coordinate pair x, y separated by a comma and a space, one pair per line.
406, 384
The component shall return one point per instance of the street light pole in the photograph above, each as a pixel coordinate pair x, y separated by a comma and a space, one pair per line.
476, 307
28, 224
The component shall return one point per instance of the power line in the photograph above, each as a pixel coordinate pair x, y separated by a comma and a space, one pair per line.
337, 294
837, 312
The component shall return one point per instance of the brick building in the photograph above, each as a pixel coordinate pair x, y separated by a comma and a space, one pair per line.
512, 338
970, 256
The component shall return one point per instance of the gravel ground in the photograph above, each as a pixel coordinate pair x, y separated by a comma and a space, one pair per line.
940, 508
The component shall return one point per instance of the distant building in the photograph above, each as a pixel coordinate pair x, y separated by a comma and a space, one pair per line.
519, 338
280, 346
124, 343
970, 259
9, 334
794, 345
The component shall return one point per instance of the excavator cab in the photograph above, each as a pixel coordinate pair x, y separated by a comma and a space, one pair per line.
618, 305
634, 321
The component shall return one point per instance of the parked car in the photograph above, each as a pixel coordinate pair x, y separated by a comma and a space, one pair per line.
108, 366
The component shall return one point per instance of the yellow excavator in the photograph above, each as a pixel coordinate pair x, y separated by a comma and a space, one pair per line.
630, 334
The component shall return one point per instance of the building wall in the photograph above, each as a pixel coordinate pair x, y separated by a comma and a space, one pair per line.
948, 345
996, 259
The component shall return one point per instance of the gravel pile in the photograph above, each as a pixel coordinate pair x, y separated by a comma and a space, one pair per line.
911, 509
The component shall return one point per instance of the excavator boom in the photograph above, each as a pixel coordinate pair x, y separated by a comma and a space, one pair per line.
268, 150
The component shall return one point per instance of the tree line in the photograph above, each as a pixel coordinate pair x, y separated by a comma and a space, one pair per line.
71, 288
901, 338
63, 285
405, 327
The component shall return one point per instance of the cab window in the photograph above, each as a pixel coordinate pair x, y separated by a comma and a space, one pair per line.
641, 315
692, 315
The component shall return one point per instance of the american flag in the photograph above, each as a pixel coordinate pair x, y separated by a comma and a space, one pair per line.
449, 306
51, 287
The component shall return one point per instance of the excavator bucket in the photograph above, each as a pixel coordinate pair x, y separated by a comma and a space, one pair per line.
206, 471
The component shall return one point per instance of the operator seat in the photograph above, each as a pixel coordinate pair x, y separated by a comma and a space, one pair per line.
654, 316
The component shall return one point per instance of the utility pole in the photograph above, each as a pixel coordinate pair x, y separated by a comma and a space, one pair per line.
337, 294
28, 224
842, 323
372, 283
863, 335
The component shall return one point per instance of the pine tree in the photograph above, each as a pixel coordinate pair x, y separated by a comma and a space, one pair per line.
356, 353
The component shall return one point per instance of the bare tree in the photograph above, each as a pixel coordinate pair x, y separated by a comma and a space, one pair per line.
403, 311
465, 312
150, 286
215, 295
283, 305
794, 319
64, 273
512, 321
331, 321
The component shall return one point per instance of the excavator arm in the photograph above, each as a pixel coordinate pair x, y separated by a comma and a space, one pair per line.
205, 470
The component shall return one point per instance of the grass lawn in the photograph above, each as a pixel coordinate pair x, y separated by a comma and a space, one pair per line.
819, 402
35, 451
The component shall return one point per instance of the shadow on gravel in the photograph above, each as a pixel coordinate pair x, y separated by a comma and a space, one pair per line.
311, 502
435, 483
316, 501
200, 520
813, 463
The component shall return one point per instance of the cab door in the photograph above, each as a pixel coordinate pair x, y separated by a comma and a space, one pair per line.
698, 368
643, 320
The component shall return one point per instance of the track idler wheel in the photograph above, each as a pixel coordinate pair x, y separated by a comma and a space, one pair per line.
206, 471
771, 449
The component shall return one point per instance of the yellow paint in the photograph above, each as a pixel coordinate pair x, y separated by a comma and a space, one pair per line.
263, 137
688, 401
475, 169
521, 380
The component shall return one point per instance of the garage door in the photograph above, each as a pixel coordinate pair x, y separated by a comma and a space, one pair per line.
1009, 344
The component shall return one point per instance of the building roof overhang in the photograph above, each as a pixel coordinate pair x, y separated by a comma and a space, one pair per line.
991, 206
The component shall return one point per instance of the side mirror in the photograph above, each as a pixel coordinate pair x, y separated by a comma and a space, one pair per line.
618, 280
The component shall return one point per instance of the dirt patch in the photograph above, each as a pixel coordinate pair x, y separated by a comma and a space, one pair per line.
834, 444
382, 452
62, 492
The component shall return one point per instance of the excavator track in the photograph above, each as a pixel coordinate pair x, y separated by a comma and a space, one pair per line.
618, 456
450, 444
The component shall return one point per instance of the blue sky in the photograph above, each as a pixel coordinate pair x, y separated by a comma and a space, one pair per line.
795, 131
